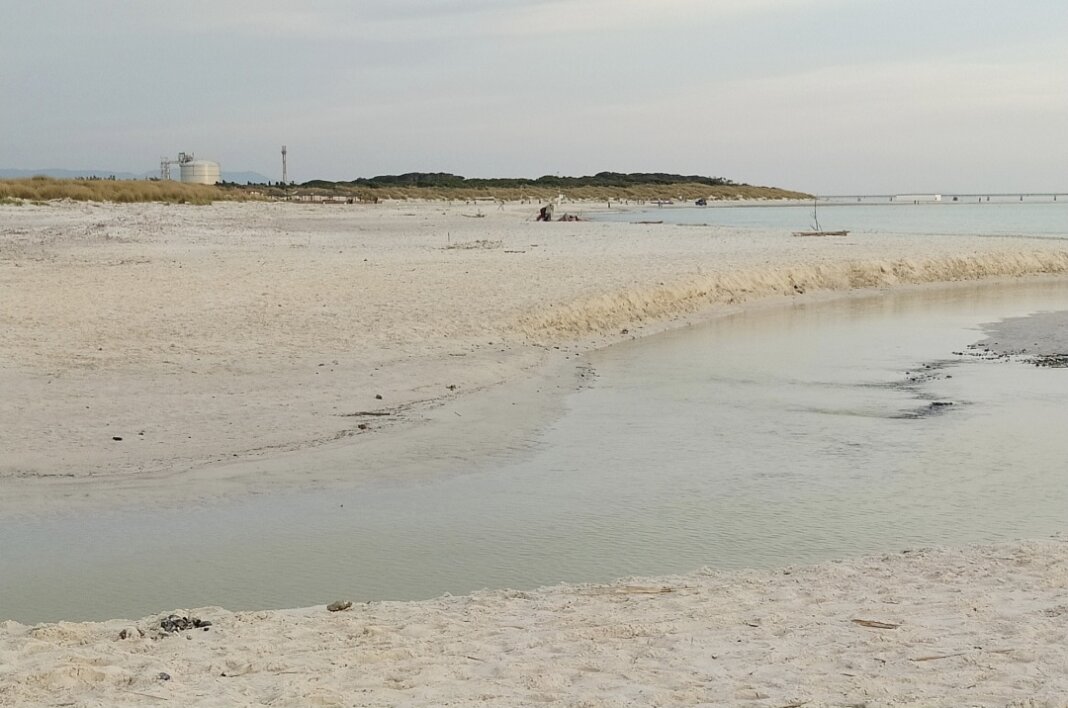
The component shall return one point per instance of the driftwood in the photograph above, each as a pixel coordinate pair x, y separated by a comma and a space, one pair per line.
135, 693
632, 590
875, 625
936, 657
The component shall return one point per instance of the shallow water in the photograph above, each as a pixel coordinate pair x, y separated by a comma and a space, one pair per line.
769, 438
1037, 218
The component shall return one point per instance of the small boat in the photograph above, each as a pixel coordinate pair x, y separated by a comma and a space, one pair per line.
817, 229
821, 233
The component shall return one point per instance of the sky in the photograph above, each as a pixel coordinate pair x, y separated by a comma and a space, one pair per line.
825, 96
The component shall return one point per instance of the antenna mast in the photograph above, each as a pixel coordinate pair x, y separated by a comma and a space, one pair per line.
285, 178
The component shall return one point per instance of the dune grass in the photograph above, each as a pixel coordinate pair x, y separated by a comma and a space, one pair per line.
42, 189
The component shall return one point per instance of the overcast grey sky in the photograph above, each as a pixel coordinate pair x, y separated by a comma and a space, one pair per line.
830, 96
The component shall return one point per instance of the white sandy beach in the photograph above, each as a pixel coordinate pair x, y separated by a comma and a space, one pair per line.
978, 627
154, 354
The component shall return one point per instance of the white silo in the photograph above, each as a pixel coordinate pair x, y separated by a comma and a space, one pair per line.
198, 171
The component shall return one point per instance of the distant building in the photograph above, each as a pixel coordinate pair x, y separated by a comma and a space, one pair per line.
195, 171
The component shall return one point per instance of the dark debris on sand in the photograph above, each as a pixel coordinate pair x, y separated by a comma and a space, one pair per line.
177, 623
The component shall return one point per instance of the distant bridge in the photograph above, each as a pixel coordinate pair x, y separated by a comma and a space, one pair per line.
921, 198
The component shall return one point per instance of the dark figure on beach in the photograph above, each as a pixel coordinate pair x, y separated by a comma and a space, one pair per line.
545, 213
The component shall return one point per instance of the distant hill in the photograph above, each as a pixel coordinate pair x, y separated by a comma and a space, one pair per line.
639, 186
601, 179
603, 185
67, 174
58, 173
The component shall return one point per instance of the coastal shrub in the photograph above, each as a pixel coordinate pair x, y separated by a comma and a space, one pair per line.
649, 192
40, 188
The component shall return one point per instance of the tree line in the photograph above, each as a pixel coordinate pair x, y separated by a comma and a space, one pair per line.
447, 180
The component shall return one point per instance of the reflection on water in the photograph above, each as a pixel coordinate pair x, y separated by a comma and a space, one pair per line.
764, 439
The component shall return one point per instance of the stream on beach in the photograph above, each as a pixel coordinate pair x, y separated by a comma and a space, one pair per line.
772, 437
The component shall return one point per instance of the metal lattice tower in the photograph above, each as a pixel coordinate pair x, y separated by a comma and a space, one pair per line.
285, 178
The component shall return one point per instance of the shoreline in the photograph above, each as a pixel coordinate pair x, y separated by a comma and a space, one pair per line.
931, 627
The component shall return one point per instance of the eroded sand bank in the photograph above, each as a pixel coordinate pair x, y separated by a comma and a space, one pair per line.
229, 347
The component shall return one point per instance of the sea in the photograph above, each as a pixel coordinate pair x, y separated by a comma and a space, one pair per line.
771, 437
1043, 216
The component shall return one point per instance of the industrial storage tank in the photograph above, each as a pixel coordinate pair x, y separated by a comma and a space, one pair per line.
200, 172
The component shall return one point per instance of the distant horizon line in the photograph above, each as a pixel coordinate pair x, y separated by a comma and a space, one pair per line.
930, 194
